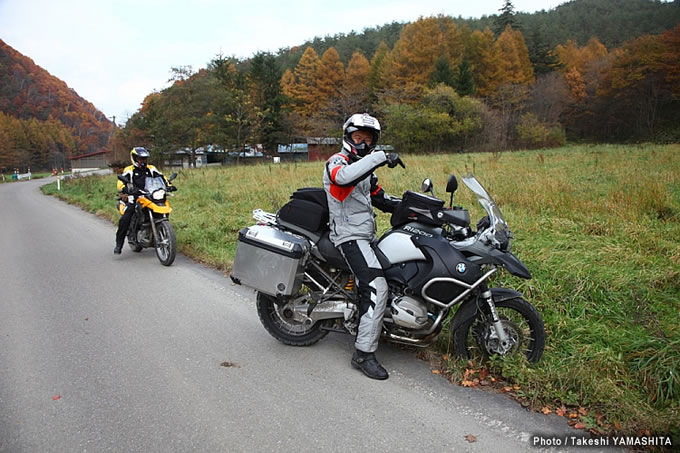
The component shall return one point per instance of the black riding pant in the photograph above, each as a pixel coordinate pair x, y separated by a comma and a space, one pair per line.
372, 288
124, 224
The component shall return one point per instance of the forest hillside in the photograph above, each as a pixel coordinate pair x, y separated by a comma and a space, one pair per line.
43, 122
586, 71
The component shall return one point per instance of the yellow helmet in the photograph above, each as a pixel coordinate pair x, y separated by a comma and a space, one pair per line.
139, 156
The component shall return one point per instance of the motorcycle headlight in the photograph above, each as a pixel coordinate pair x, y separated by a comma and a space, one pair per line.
504, 240
158, 195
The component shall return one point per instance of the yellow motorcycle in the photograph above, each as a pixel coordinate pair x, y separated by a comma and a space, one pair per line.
150, 225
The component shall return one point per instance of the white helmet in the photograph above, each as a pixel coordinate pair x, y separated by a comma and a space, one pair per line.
360, 122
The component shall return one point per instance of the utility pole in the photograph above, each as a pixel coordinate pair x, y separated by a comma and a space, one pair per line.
112, 136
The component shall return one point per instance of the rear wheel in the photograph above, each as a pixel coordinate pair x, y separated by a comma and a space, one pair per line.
166, 244
281, 323
521, 322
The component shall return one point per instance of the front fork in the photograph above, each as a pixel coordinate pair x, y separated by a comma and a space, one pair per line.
496, 321
153, 227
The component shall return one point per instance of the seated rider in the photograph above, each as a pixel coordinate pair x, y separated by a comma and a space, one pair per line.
137, 174
352, 190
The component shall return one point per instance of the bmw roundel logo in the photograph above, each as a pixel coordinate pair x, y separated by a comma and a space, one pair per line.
460, 267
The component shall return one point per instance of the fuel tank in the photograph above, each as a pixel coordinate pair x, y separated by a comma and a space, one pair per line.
398, 247
418, 253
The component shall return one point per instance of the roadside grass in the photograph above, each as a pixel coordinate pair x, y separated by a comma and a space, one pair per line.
597, 225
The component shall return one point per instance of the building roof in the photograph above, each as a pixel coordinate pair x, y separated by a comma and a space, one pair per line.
88, 155
323, 140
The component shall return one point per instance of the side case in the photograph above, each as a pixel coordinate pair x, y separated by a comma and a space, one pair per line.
270, 260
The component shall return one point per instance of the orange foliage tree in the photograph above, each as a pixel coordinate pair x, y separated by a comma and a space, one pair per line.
412, 60
300, 85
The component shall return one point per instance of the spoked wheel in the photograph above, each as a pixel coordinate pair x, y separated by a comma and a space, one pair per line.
522, 324
166, 245
281, 323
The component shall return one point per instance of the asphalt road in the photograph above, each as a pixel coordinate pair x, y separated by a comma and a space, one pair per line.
118, 353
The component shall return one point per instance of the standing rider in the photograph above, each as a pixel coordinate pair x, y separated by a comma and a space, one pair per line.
352, 190
137, 174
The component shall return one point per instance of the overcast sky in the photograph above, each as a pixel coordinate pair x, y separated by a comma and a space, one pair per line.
114, 53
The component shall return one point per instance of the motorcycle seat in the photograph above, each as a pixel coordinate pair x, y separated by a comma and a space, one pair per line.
330, 253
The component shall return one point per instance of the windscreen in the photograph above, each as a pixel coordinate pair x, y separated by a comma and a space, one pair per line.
153, 184
494, 213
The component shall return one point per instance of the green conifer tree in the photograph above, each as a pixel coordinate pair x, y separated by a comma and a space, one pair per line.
464, 83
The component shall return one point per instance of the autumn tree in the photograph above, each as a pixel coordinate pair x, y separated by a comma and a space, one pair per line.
300, 85
330, 76
355, 90
485, 60
34, 143
641, 83
376, 76
576, 61
415, 55
515, 66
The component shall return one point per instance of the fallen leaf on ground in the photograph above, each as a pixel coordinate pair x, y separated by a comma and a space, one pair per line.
561, 411
468, 384
580, 425
573, 415
583, 411
436, 371
470, 438
546, 410
56, 397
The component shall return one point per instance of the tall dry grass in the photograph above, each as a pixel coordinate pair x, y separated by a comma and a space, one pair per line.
598, 226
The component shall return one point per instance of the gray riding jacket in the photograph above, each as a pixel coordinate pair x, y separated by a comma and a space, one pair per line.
352, 190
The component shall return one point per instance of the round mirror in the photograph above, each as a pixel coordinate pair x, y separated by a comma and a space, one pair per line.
426, 186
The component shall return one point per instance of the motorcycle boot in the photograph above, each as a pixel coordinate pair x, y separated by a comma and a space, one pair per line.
117, 249
369, 365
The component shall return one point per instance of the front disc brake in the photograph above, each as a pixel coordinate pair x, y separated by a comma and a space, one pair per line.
487, 337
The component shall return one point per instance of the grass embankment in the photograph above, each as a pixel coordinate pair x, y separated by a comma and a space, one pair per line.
598, 226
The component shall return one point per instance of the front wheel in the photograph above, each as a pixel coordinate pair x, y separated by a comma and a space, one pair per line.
280, 322
522, 323
166, 244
